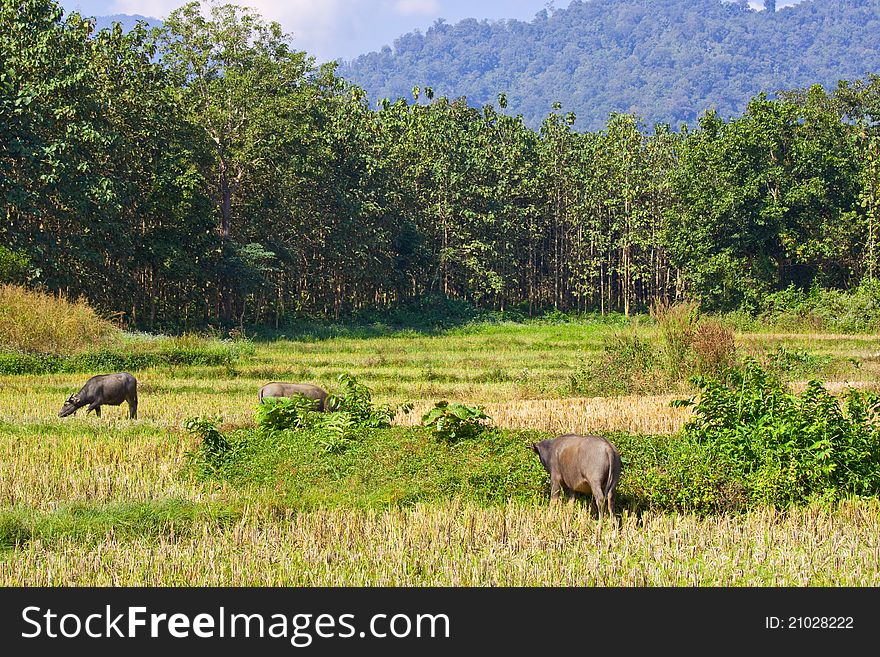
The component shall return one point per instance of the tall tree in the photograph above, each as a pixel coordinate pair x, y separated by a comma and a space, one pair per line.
241, 82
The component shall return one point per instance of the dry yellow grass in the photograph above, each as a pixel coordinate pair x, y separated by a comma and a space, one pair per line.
35, 321
48, 467
649, 414
461, 545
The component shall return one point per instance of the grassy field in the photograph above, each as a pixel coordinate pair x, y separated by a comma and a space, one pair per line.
109, 501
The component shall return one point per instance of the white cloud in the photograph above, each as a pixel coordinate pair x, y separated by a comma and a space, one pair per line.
416, 7
315, 24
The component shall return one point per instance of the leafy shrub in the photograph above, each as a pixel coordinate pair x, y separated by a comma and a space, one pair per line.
215, 448
789, 449
853, 311
280, 413
348, 411
676, 473
356, 400
455, 421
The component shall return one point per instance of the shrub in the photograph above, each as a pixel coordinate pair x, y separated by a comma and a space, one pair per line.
714, 347
348, 411
280, 413
677, 324
455, 421
789, 449
356, 400
215, 448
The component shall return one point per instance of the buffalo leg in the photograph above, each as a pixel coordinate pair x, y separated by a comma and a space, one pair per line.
555, 486
132, 409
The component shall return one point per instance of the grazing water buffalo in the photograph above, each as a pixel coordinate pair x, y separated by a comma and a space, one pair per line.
277, 389
101, 390
583, 464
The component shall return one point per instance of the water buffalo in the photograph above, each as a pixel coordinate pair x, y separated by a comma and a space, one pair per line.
104, 389
308, 390
583, 464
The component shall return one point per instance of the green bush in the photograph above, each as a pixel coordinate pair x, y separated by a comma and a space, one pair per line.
787, 448
356, 400
455, 421
853, 311
280, 413
215, 448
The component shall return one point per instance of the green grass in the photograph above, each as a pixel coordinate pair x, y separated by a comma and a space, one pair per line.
379, 468
123, 521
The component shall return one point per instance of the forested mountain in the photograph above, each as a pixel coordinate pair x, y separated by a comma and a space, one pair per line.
663, 60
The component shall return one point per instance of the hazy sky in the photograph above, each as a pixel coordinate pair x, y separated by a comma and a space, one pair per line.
344, 29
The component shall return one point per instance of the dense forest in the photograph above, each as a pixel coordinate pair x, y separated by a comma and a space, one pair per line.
209, 172
667, 61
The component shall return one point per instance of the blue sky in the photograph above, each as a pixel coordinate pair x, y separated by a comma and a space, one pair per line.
344, 29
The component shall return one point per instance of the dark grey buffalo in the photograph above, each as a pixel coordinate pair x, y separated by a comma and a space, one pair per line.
308, 390
104, 390
582, 464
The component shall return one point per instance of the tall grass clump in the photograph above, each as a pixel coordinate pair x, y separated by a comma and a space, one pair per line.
787, 448
628, 364
36, 322
676, 323
631, 363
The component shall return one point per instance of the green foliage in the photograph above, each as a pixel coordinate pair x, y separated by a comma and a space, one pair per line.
215, 448
676, 473
455, 421
280, 413
14, 266
300, 469
789, 449
855, 311
173, 354
356, 401
348, 413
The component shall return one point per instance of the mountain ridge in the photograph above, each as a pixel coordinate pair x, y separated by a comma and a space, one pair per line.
667, 61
